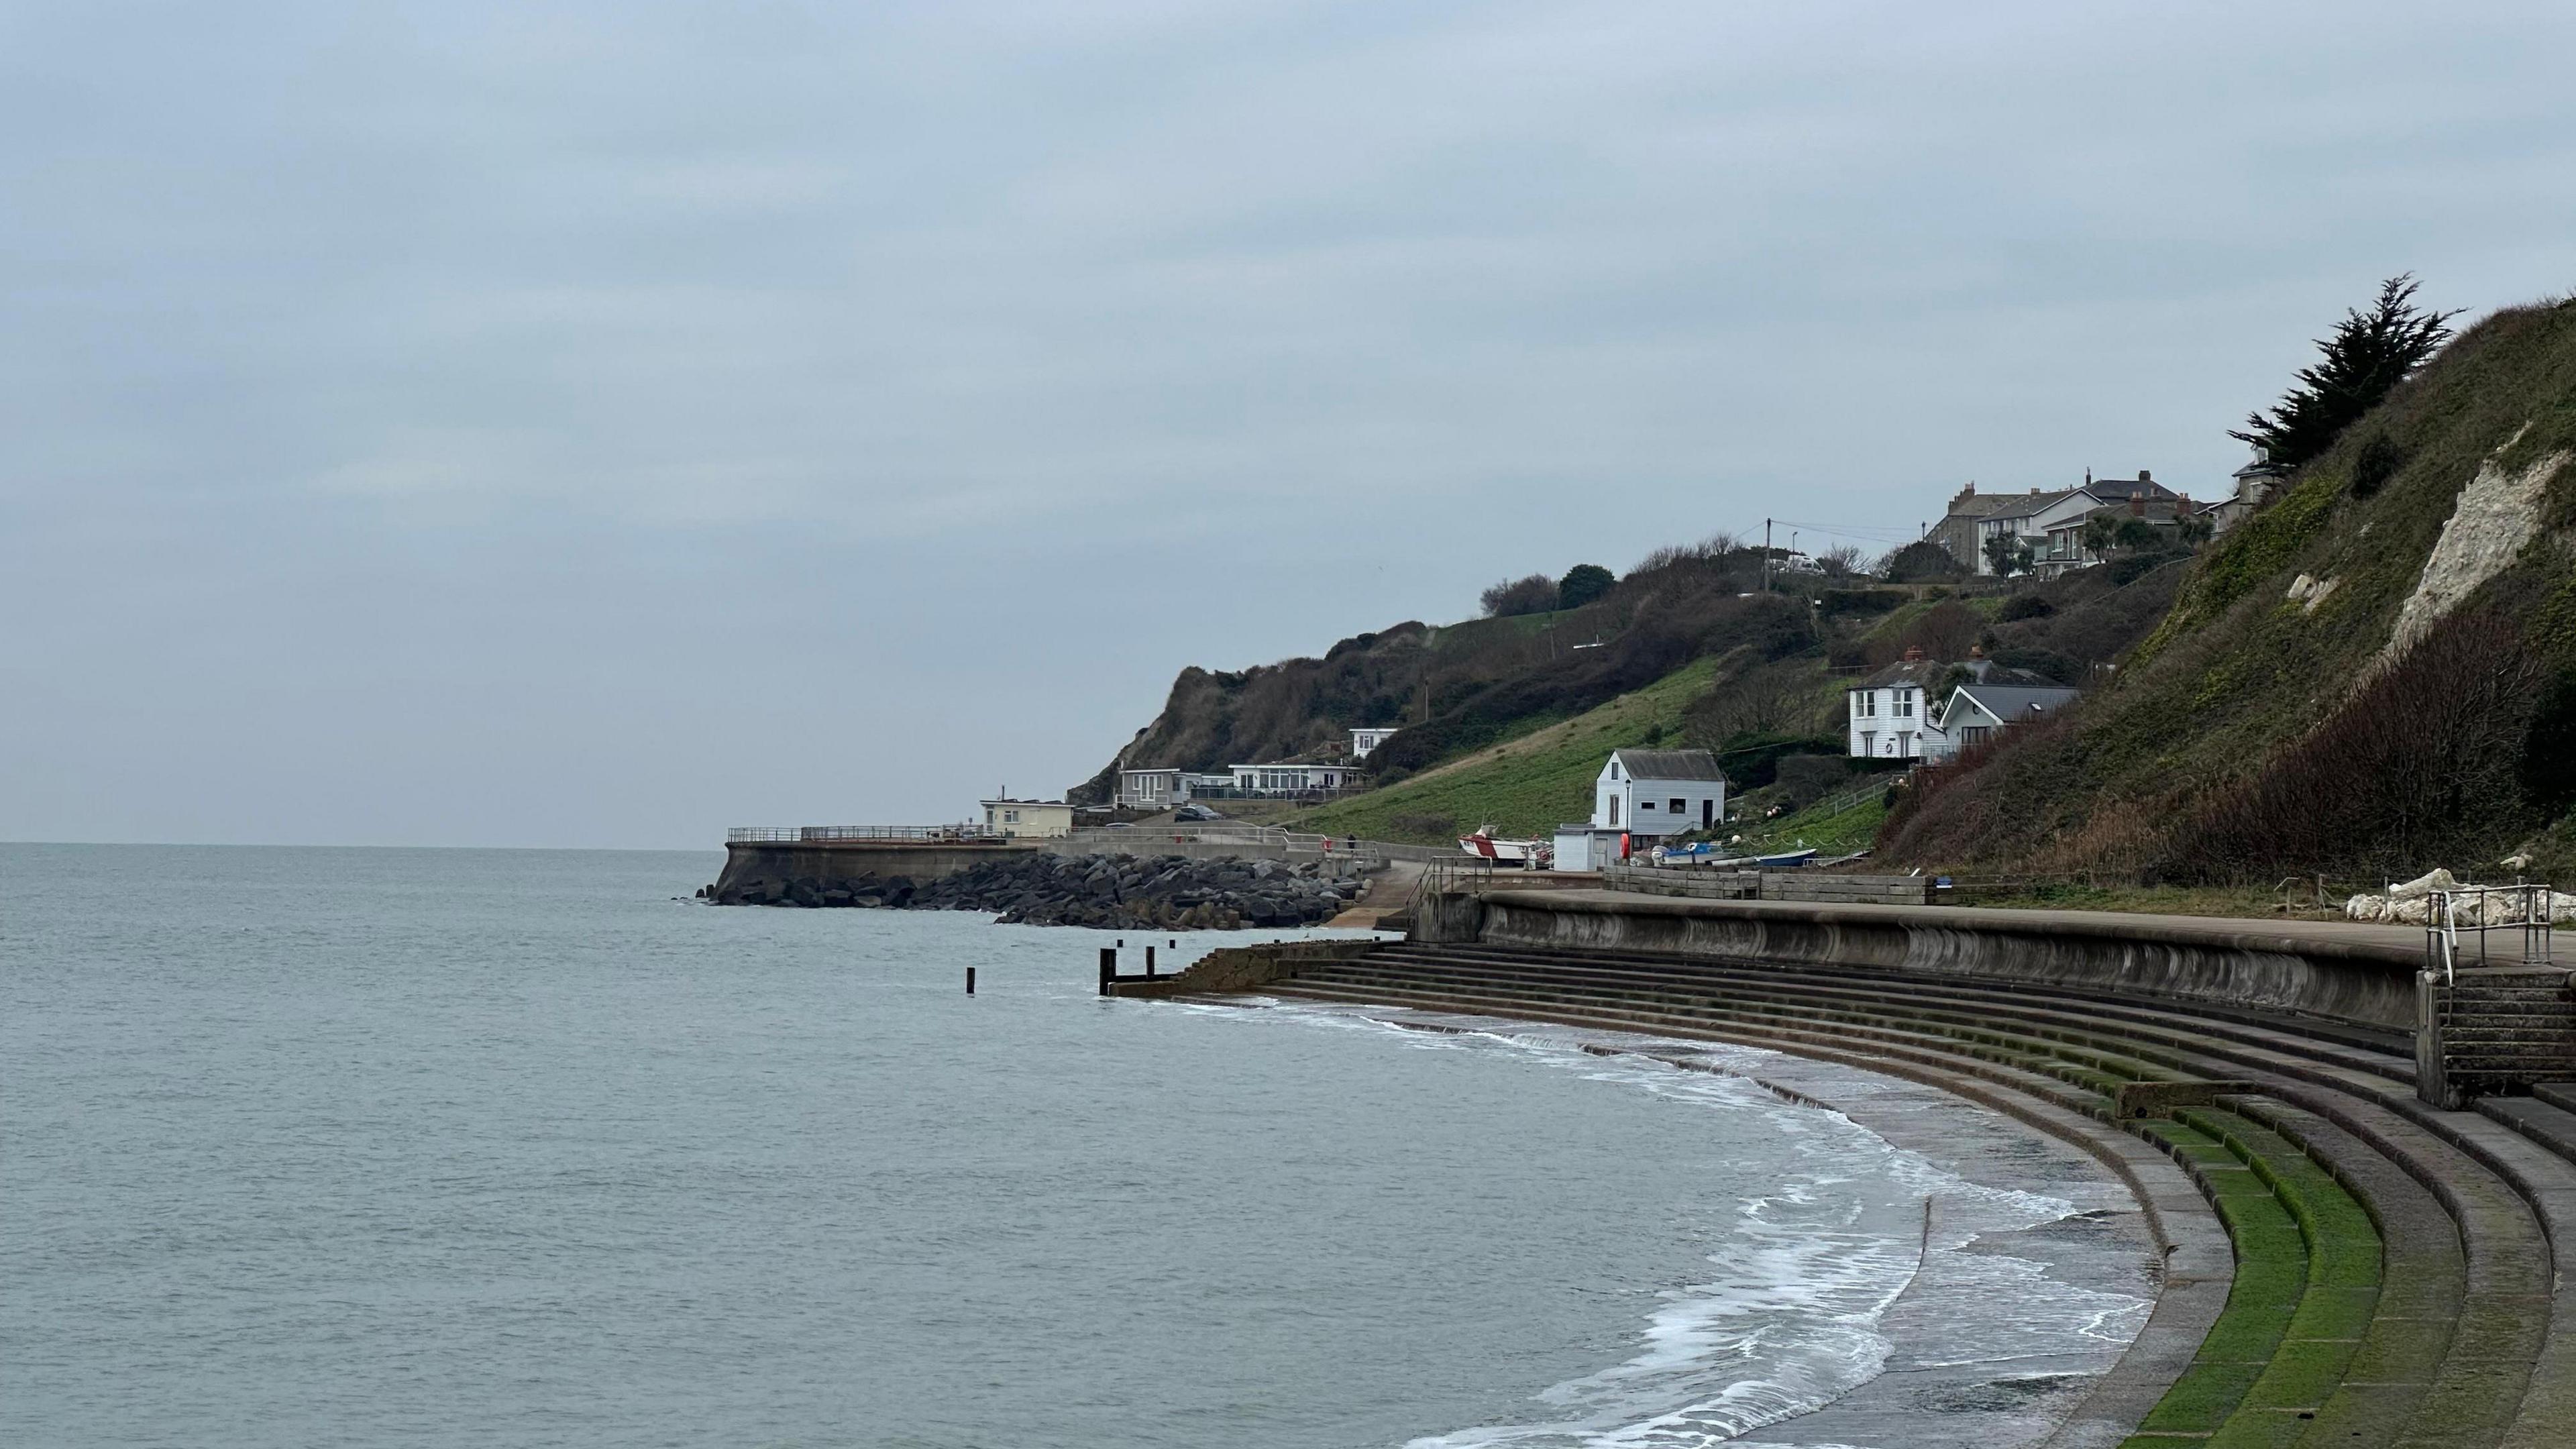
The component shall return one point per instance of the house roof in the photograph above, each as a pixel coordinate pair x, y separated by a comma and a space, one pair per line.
1919, 672
1669, 764
1925, 673
2016, 701
2024, 505
1984, 505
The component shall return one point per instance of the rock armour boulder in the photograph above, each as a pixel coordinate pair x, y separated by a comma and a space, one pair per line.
1107, 891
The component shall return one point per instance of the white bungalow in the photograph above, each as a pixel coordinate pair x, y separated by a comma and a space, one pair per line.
1293, 779
1981, 709
1028, 819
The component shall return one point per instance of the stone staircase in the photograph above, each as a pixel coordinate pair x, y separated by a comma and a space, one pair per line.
2394, 1282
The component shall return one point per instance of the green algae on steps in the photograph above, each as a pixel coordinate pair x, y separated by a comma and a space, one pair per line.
2307, 1288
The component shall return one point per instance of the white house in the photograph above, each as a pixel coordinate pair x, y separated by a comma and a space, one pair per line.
1643, 792
1980, 709
1364, 742
1028, 819
1886, 710
1897, 714
1659, 792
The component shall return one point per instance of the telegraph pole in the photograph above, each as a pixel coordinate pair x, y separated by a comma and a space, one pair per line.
1766, 555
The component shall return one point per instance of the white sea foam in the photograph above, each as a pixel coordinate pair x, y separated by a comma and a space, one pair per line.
1793, 1316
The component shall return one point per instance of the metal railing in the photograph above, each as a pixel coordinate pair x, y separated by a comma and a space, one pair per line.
1142, 838
800, 834
2527, 908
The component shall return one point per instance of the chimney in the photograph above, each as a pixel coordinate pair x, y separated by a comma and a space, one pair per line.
2146, 479
2137, 505
1913, 652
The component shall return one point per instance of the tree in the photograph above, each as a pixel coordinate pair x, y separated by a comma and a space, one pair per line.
2007, 555
1922, 559
2136, 535
1842, 561
1582, 584
2196, 530
2098, 531
2369, 354
1535, 594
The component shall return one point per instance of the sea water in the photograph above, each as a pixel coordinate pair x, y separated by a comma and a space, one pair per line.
373, 1147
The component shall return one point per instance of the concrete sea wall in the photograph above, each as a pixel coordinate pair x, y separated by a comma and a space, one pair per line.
2191, 960
842, 864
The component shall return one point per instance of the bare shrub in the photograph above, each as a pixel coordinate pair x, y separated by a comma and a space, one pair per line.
1764, 702
1945, 631
1534, 594
1423, 824
1714, 547
2419, 767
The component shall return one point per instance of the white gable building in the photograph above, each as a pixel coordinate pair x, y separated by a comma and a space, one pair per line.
1644, 792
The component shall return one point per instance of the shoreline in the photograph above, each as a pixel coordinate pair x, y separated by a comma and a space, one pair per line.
1966, 1364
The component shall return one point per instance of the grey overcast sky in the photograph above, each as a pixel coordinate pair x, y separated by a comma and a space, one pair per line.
600, 424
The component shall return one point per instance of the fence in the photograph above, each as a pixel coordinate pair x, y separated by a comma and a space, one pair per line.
804, 834
1780, 885
1141, 839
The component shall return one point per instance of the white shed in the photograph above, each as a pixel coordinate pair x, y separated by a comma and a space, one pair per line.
1659, 792
1581, 847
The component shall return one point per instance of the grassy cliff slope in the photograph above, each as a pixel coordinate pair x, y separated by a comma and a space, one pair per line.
2373, 675
1525, 786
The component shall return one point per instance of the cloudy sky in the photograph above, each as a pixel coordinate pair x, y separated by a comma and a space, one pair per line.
601, 424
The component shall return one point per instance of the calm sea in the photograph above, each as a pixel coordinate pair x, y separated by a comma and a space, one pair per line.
373, 1147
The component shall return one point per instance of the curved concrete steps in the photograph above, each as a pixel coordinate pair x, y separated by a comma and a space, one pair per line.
2459, 1337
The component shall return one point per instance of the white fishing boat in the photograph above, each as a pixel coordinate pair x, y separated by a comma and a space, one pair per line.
1510, 854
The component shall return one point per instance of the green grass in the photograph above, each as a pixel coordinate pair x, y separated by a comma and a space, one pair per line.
1524, 786
1832, 829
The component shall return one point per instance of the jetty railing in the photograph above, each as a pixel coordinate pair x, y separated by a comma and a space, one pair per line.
920, 834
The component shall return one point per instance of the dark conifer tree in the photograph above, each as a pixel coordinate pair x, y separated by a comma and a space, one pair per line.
2369, 354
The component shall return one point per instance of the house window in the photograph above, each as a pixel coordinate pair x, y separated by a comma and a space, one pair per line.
1905, 703
1644, 806
1010, 817
1677, 806
1614, 809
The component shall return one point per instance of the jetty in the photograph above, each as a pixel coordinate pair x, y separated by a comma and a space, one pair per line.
2356, 1155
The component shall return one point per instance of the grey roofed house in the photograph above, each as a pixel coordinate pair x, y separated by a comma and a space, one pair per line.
1975, 711
1670, 764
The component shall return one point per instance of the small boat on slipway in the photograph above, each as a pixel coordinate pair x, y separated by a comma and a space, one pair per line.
1507, 854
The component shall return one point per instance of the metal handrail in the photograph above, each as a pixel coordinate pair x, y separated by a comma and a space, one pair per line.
2442, 929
